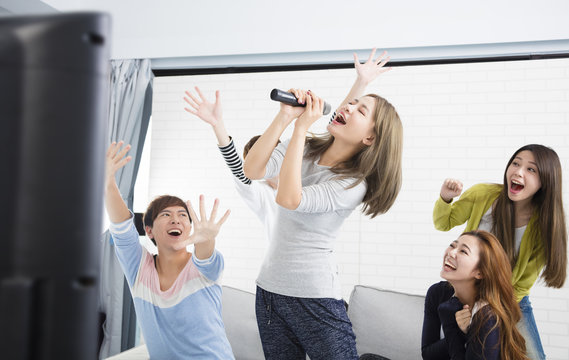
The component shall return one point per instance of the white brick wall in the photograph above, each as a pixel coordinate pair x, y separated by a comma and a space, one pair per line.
460, 121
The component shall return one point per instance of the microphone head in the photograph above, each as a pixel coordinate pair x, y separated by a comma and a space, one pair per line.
326, 109
275, 94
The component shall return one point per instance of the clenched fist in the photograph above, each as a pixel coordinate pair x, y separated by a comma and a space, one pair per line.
451, 188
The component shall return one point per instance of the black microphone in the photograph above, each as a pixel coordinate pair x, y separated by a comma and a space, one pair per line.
290, 99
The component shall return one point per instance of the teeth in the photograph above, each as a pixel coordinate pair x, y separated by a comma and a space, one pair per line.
174, 232
517, 182
340, 118
450, 265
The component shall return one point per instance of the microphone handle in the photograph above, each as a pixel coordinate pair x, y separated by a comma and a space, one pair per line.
285, 97
288, 98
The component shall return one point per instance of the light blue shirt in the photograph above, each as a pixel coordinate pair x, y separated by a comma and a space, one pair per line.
183, 322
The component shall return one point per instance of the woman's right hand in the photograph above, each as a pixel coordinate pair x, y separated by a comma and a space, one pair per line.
451, 188
463, 318
293, 112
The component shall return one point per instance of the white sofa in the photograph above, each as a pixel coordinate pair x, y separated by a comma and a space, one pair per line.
386, 323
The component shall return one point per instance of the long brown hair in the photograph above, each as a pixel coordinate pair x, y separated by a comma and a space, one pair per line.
378, 164
495, 288
550, 222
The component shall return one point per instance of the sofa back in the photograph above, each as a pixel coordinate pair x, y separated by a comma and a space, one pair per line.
387, 323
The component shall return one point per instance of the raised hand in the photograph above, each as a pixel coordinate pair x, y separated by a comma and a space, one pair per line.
463, 318
371, 69
451, 188
115, 159
292, 112
205, 230
207, 111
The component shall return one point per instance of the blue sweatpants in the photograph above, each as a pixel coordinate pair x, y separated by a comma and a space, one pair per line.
292, 327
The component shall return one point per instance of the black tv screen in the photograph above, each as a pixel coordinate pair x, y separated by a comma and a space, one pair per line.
54, 76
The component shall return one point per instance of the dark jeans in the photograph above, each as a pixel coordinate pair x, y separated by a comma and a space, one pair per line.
292, 327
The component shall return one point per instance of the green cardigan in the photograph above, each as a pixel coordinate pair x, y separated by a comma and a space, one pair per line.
471, 206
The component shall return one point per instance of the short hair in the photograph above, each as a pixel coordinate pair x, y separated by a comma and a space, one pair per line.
252, 142
157, 205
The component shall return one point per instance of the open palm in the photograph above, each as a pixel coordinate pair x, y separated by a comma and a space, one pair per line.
205, 229
372, 68
115, 159
207, 111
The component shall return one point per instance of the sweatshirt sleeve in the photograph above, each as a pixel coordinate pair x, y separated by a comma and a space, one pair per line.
332, 195
212, 267
127, 247
454, 337
432, 346
276, 160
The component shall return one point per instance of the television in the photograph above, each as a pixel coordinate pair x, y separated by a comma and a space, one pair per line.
54, 78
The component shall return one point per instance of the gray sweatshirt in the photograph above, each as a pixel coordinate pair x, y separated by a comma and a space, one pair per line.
300, 260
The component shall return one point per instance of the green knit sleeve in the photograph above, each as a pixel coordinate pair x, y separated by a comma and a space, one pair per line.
446, 216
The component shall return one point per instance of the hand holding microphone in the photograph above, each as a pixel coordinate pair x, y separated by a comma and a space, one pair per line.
289, 98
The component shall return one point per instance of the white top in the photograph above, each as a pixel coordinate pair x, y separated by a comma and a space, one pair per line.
487, 221
260, 198
258, 195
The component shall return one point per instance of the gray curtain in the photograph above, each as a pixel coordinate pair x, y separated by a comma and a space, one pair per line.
130, 108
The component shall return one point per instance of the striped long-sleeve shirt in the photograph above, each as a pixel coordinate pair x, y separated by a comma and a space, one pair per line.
233, 161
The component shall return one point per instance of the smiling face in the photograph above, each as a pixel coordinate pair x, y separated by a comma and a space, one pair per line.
172, 225
460, 261
354, 122
522, 176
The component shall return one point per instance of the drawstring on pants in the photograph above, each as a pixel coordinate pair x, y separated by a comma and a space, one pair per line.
268, 304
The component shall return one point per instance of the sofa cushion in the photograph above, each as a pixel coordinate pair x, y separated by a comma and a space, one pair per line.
387, 323
241, 324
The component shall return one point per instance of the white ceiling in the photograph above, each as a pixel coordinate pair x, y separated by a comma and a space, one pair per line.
253, 31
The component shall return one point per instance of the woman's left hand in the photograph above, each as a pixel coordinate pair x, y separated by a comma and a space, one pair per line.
312, 112
209, 112
371, 69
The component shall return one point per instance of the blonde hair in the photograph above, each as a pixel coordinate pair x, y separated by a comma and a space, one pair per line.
378, 164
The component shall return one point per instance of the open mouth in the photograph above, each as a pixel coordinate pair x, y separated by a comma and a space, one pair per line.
174, 232
516, 187
448, 266
340, 119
